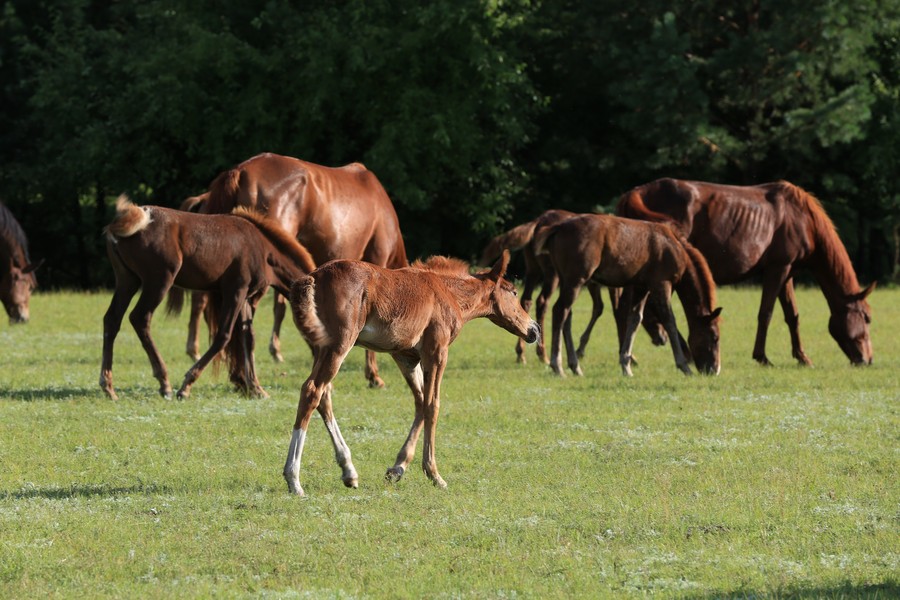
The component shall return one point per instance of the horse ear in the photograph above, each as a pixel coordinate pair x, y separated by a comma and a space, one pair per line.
715, 314
863, 294
499, 269
33, 266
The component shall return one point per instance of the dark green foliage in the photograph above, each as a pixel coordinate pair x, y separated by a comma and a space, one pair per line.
475, 114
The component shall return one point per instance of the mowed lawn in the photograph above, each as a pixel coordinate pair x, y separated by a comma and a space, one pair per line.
779, 481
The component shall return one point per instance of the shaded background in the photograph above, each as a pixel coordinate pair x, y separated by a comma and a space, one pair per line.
474, 114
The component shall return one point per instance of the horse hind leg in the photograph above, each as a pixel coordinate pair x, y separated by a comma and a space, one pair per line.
198, 310
412, 372
151, 297
372, 371
596, 310
632, 311
127, 286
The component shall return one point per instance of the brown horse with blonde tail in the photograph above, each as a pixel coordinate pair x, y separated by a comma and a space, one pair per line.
232, 257
414, 314
650, 258
539, 269
336, 213
17, 279
770, 230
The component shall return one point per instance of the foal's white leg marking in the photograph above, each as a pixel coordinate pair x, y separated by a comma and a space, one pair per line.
292, 465
342, 454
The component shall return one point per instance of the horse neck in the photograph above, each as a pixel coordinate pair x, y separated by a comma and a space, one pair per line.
695, 289
284, 269
469, 294
831, 265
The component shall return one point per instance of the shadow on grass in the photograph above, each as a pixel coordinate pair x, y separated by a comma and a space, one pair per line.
874, 591
50, 393
84, 491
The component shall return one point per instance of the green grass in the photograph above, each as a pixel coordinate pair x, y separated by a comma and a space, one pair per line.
778, 481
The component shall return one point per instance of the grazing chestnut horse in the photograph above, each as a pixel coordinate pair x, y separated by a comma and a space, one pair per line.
17, 279
414, 314
652, 259
335, 212
771, 230
538, 268
233, 257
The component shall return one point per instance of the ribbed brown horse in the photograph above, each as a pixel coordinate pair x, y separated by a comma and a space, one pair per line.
233, 257
17, 279
539, 269
414, 314
650, 258
769, 230
334, 212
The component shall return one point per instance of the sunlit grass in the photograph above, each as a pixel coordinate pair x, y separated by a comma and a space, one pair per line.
776, 481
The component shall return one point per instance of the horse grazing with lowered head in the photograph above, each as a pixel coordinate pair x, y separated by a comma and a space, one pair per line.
232, 257
17, 279
539, 269
770, 230
650, 258
336, 213
414, 314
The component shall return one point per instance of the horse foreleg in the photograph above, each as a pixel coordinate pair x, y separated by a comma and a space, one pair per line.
596, 310
412, 371
243, 373
434, 372
662, 304
228, 314
773, 283
278, 309
328, 362
792, 318
631, 305
127, 286
341, 449
198, 309
151, 297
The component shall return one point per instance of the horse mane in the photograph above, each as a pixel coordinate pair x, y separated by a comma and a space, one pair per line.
223, 192
130, 219
702, 274
442, 264
826, 237
13, 241
279, 238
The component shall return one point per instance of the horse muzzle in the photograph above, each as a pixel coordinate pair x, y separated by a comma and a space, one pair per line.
534, 333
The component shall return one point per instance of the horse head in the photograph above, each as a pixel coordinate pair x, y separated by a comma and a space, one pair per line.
506, 312
703, 341
16, 286
849, 326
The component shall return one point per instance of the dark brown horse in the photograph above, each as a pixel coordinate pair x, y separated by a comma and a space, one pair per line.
414, 314
17, 279
335, 212
539, 269
233, 257
650, 258
769, 230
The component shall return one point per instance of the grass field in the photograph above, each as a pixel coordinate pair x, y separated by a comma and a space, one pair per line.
779, 481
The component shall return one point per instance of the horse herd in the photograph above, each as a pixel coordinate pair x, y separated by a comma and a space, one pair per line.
328, 239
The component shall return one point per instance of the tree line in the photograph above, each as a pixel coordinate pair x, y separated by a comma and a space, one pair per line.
474, 114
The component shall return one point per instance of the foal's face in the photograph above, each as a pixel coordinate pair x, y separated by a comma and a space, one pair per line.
15, 292
703, 340
850, 329
509, 314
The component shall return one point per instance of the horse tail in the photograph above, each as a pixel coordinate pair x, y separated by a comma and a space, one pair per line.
194, 204
223, 192
631, 205
174, 301
130, 219
514, 239
306, 316
541, 239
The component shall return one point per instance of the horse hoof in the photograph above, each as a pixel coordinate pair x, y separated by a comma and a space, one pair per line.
394, 474
439, 482
576, 370
277, 356
182, 394
376, 383
351, 482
